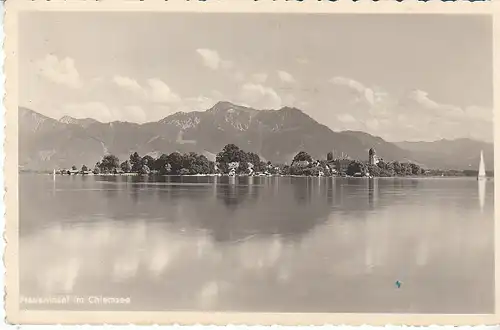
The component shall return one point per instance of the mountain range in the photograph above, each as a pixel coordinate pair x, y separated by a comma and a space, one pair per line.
275, 135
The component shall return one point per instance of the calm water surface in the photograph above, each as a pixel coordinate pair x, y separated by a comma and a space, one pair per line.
259, 244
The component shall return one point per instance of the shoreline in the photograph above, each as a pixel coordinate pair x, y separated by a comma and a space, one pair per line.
262, 176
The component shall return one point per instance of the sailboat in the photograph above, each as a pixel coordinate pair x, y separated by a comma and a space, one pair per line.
481, 175
481, 182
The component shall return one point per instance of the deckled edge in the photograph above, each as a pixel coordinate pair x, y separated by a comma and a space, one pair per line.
9, 157
4, 137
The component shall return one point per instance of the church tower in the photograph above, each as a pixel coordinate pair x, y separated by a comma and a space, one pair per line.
372, 157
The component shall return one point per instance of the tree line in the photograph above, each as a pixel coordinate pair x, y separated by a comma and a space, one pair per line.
385, 169
233, 160
172, 164
230, 159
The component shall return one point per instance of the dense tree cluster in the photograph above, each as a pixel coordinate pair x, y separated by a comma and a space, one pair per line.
356, 167
241, 162
304, 165
302, 157
174, 164
230, 159
387, 169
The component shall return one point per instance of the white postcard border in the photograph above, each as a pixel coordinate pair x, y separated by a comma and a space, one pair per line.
17, 316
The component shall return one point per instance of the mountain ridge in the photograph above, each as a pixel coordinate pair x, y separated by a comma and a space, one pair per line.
275, 135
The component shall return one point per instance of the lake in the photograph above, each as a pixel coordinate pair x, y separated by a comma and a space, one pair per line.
261, 244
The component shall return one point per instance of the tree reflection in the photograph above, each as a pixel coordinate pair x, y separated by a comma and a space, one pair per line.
231, 210
302, 188
233, 193
372, 192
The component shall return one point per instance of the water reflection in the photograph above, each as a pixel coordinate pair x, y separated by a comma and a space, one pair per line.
481, 193
372, 191
302, 188
53, 185
261, 244
214, 186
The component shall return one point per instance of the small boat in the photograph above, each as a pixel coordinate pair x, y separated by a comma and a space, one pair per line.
481, 175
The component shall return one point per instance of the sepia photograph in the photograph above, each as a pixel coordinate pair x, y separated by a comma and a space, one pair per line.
240, 162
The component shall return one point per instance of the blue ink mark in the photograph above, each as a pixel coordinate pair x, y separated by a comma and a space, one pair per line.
398, 284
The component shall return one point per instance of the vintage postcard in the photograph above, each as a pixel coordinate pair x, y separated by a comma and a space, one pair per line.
260, 162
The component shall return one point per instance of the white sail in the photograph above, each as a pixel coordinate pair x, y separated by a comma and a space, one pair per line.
482, 170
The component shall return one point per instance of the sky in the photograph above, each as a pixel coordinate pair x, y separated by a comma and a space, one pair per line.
400, 77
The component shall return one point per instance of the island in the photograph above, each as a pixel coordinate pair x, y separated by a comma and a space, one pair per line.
233, 161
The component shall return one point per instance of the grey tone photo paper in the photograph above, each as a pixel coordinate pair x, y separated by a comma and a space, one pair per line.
259, 163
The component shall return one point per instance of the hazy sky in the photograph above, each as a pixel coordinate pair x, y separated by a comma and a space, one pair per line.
401, 77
